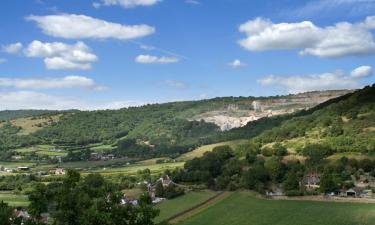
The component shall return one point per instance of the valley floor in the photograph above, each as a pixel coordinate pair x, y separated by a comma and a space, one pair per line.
243, 208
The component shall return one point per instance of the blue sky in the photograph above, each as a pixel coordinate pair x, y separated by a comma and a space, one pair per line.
94, 54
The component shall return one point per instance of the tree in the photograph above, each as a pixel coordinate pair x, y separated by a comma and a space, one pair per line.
279, 150
275, 168
326, 182
6, 213
291, 182
38, 201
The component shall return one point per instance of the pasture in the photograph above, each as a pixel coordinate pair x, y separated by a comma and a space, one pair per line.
243, 208
207, 148
172, 207
13, 199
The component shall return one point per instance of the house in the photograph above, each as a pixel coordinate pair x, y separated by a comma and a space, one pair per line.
312, 180
165, 180
351, 193
354, 192
23, 168
60, 171
20, 213
158, 200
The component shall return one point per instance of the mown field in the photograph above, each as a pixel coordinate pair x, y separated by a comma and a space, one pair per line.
174, 206
14, 200
243, 208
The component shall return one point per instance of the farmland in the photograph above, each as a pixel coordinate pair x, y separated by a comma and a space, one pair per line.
172, 207
13, 199
243, 208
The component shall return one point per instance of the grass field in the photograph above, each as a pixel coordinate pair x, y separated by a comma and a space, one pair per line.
172, 207
206, 148
134, 168
14, 200
243, 208
14, 165
48, 150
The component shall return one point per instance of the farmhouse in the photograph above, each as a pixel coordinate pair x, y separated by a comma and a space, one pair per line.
23, 168
60, 171
165, 180
312, 180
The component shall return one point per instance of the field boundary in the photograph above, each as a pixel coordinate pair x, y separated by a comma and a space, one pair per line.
191, 211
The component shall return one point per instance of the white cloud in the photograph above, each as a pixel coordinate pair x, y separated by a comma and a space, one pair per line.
192, 2
236, 64
329, 7
3, 60
147, 47
12, 48
81, 26
315, 82
362, 71
36, 100
342, 39
149, 59
127, 3
50, 83
59, 55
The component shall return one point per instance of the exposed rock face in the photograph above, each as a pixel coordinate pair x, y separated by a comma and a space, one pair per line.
233, 115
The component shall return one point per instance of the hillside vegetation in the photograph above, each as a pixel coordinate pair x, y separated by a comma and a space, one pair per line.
168, 129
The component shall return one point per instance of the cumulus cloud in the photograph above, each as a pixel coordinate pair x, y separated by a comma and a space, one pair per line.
81, 26
50, 83
317, 82
12, 48
36, 100
126, 3
236, 64
362, 71
150, 59
59, 55
342, 39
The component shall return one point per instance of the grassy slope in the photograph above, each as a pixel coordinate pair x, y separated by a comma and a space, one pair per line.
242, 208
14, 200
174, 206
206, 148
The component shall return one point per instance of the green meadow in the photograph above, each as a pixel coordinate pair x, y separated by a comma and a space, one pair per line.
243, 208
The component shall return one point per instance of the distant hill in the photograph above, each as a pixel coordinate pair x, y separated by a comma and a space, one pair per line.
157, 129
15, 114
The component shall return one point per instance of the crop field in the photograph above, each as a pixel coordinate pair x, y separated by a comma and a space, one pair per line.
206, 148
14, 165
14, 200
243, 208
172, 207
42, 150
132, 169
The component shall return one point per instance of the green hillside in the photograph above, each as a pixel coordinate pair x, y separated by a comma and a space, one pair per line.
346, 124
155, 130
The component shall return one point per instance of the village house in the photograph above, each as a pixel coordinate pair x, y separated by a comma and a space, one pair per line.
60, 171
312, 180
165, 181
